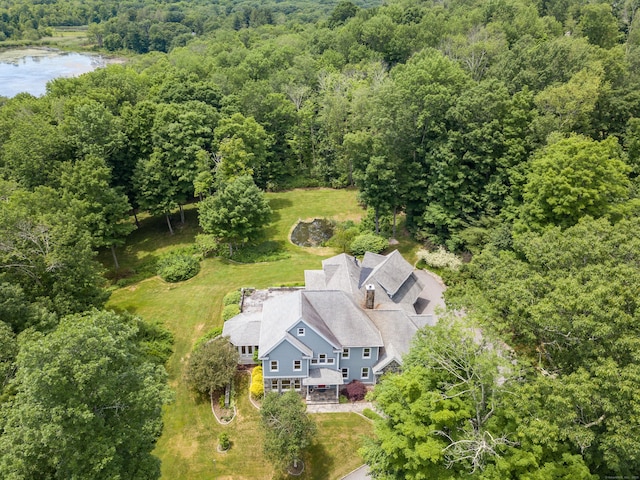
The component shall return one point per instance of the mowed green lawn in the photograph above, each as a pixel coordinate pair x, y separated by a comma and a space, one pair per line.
187, 446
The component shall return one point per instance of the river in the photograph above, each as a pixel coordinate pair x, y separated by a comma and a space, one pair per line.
29, 69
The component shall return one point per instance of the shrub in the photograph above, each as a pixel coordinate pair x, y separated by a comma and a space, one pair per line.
385, 223
223, 441
370, 414
232, 298
208, 245
343, 234
354, 391
230, 311
257, 386
368, 242
211, 334
269, 251
178, 267
440, 259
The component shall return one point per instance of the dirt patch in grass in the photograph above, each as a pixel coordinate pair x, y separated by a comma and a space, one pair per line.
185, 447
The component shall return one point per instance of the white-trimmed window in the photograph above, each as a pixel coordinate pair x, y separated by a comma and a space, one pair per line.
364, 374
301, 331
247, 350
345, 373
366, 352
274, 384
345, 353
322, 358
286, 384
297, 365
297, 385
273, 365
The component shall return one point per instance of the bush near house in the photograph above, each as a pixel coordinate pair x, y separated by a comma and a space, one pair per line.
210, 335
257, 386
232, 298
230, 311
368, 242
354, 391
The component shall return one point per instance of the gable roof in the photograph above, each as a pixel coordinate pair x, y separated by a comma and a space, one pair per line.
342, 272
391, 273
344, 318
332, 314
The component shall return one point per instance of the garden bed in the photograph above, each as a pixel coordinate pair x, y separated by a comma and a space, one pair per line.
224, 415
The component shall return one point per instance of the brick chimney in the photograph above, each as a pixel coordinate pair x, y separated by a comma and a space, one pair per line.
370, 296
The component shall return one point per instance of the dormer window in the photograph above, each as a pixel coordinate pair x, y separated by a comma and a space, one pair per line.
301, 332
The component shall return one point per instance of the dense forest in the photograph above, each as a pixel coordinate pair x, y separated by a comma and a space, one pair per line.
506, 129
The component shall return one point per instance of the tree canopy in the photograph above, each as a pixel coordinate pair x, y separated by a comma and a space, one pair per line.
236, 214
88, 404
287, 428
212, 365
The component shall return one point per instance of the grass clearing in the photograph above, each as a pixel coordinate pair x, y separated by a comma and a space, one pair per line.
188, 444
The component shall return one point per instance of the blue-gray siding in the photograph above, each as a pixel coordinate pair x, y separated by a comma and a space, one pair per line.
356, 362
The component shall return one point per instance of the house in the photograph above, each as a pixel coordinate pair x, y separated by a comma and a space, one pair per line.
353, 320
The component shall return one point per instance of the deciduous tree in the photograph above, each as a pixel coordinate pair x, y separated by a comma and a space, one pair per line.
87, 405
212, 365
573, 177
287, 428
235, 214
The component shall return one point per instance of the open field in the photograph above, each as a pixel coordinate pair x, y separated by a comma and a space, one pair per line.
188, 444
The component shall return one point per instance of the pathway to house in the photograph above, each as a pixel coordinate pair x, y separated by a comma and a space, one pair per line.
361, 473
356, 407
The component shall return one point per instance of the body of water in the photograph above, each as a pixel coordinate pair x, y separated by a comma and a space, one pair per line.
29, 70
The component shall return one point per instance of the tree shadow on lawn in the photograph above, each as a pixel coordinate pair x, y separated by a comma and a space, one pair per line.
279, 203
147, 243
318, 463
271, 231
153, 232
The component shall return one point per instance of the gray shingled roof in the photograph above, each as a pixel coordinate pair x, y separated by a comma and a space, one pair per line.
342, 272
408, 293
243, 329
344, 318
397, 331
331, 313
331, 304
314, 280
278, 315
391, 274
369, 262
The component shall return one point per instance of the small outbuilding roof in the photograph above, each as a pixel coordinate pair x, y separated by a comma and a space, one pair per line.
243, 329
